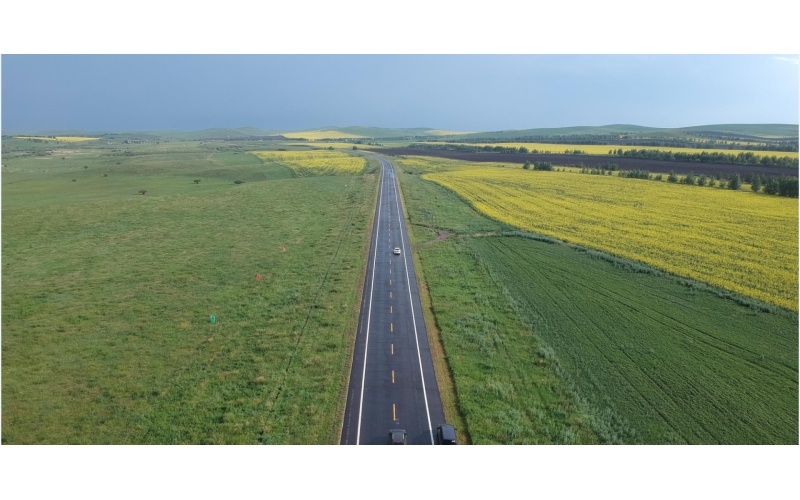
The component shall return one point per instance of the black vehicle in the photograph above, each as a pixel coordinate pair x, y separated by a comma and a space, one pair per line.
446, 434
397, 436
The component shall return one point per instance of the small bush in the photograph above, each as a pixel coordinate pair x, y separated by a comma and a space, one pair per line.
542, 165
735, 182
527, 165
658, 177
635, 174
105, 175
143, 192
673, 177
755, 184
74, 180
196, 181
788, 186
238, 182
86, 166
702, 180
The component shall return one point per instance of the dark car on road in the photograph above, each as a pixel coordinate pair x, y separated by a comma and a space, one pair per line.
397, 436
446, 434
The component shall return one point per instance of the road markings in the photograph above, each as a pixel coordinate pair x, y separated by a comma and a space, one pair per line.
391, 327
369, 314
390, 271
390, 295
390, 310
390, 282
413, 316
393, 376
394, 412
392, 349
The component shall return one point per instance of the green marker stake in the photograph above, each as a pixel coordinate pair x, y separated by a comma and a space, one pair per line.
213, 319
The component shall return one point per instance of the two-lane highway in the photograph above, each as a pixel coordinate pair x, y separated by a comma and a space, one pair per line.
392, 382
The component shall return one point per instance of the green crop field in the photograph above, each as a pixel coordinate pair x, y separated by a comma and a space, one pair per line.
550, 343
108, 293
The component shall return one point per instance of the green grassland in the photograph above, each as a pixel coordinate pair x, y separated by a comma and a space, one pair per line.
550, 343
107, 295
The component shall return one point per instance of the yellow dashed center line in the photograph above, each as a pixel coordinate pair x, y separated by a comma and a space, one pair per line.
393, 376
394, 411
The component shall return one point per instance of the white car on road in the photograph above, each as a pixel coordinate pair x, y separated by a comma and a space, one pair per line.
397, 250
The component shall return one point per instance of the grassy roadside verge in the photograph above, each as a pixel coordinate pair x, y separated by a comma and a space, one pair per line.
444, 376
370, 169
498, 403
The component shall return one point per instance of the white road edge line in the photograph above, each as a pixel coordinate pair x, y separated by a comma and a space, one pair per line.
369, 313
411, 299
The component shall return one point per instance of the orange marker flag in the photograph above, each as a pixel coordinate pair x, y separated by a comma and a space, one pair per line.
284, 249
258, 277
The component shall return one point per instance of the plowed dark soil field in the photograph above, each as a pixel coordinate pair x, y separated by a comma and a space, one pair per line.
680, 167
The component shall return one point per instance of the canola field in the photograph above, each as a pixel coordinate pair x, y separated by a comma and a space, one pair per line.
311, 163
60, 138
321, 134
740, 241
603, 149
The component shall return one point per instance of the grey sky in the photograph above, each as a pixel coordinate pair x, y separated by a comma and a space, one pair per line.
117, 93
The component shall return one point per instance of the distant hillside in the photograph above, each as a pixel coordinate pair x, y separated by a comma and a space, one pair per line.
361, 133
210, 133
744, 131
766, 131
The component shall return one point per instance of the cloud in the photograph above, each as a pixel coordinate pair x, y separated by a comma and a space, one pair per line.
791, 60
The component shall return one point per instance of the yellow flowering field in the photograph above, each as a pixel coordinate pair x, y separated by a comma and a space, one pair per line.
309, 163
737, 240
603, 149
60, 138
321, 134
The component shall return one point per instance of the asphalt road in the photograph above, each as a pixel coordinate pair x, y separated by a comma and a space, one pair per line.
392, 383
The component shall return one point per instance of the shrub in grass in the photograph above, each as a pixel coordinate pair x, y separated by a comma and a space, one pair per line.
673, 177
142, 192
196, 181
755, 185
735, 182
238, 182
702, 180
788, 186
